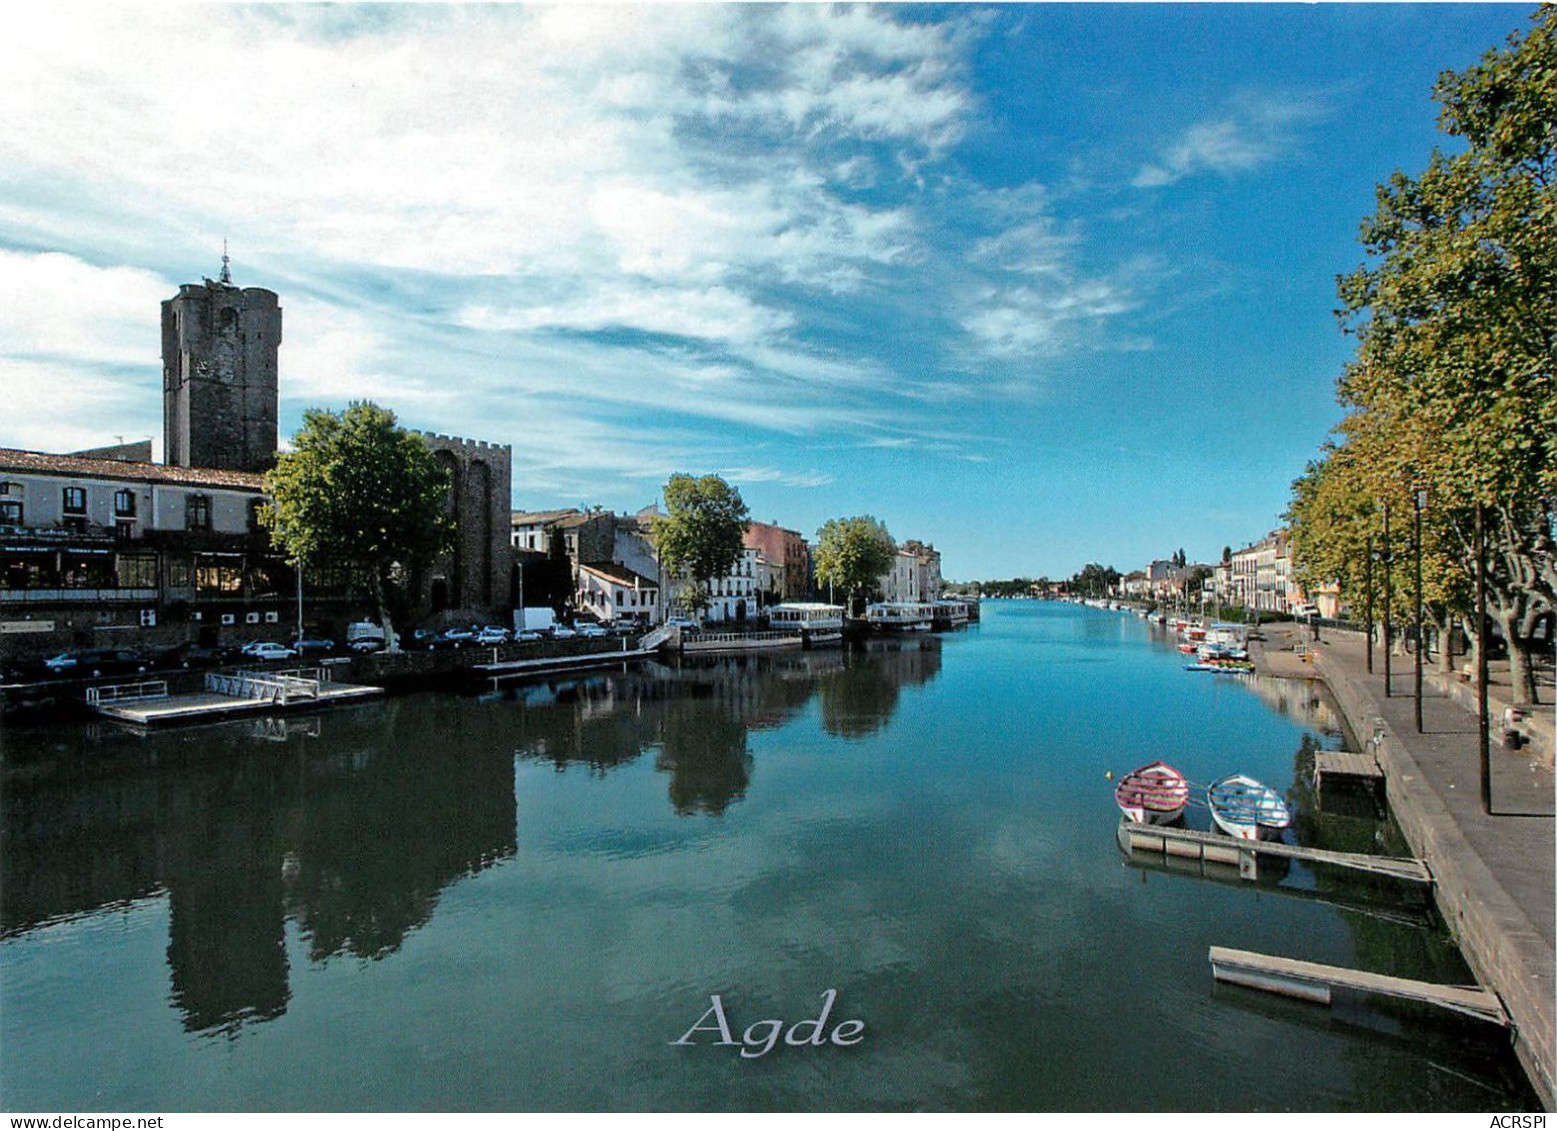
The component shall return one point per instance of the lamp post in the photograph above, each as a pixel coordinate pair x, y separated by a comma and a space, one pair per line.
1482, 736
1367, 600
1388, 597
1418, 501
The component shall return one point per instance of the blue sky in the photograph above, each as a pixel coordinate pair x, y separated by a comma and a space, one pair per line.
1041, 284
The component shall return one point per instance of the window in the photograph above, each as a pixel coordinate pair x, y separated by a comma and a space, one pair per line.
124, 503
74, 501
136, 571
197, 512
10, 512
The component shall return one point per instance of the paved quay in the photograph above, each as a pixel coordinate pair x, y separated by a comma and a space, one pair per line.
1494, 870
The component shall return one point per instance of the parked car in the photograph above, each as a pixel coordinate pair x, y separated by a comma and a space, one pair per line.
319, 645
562, 632
684, 622
493, 634
590, 631
527, 636
271, 651
455, 638
193, 655
105, 661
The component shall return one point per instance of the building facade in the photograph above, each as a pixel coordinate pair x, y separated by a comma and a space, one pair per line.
118, 553
788, 558
609, 591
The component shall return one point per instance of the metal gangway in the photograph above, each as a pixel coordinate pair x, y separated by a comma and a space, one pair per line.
280, 687
664, 634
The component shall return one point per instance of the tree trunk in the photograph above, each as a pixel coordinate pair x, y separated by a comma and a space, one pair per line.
1444, 631
1521, 672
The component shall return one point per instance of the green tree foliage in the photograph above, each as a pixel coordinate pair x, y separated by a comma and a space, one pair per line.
1094, 580
361, 493
702, 533
852, 554
1455, 318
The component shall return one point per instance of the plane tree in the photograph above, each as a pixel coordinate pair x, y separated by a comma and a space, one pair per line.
359, 493
701, 535
852, 554
1454, 314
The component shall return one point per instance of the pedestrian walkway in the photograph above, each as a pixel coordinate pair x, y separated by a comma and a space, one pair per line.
1493, 865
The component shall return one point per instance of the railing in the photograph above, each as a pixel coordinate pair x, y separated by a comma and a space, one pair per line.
711, 640
55, 596
127, 692
663, 634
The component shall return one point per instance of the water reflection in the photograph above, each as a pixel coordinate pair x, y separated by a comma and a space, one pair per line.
350, 825
343, 824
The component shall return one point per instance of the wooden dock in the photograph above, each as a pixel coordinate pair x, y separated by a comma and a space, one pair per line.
214, 703
1219, 849
1336, 763
1313, 981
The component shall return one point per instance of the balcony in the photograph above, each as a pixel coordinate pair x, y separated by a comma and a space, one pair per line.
77, 596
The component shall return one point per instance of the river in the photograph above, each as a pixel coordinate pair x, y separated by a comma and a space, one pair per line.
523, 899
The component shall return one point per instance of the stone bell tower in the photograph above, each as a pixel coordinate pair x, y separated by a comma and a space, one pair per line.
219, 375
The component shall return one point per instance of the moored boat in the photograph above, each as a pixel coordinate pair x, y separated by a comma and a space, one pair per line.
1154, 794
817, 623
1247, 809
900, 616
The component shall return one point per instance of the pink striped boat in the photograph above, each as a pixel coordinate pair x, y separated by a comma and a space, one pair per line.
1152, 795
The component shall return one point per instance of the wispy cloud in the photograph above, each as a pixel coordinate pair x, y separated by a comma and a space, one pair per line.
1253, 132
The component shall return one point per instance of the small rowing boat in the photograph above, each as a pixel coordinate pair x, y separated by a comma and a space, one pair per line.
1152, 795
1247, 809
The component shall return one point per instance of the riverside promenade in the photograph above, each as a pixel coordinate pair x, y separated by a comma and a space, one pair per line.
1493, 866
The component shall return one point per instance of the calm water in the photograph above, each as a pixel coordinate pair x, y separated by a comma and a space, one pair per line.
519, 901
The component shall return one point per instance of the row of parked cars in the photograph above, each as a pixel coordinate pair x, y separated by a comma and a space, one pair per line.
485, 636
94, 663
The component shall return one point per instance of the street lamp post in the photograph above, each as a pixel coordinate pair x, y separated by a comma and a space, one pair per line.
1367, 600
1418, 501
1388, 598
1483, 737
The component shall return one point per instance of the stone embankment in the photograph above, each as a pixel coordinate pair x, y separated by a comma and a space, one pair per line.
1487, 835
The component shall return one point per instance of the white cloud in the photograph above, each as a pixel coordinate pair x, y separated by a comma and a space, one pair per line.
1253, 132
53, 304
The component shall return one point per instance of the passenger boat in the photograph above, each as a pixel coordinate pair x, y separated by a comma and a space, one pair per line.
1152, 795
900, 616
947, 613
817, 623
1247, 809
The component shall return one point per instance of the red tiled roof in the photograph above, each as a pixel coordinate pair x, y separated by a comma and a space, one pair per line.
46, 463
618, 574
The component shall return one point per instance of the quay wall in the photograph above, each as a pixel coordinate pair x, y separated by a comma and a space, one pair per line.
1495, 934
394, 671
